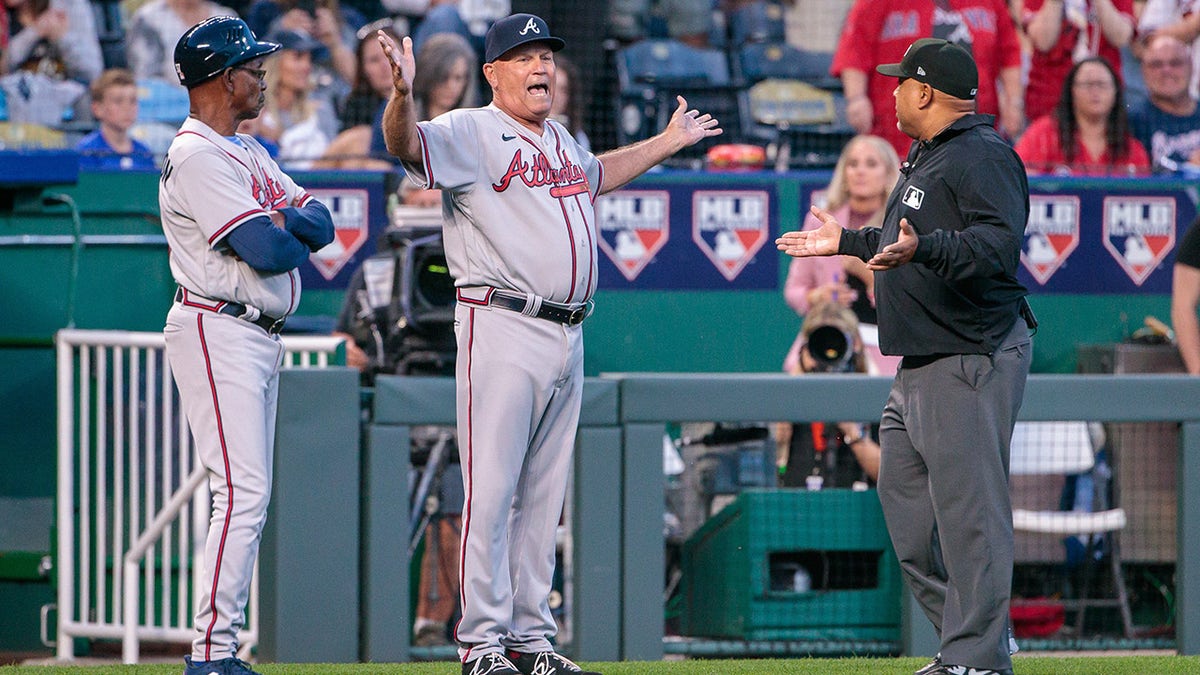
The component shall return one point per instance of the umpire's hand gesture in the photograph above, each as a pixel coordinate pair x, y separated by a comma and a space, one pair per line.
819, 242
403, 63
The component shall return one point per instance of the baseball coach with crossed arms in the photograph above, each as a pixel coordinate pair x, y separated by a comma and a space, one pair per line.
237, 228
520, 239
945, 262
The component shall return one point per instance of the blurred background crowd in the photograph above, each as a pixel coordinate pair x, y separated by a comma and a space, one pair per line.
1083, 87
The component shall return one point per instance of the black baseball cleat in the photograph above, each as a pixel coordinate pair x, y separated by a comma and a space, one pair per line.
229, 666
494, 663
932, 667
546, 663
946, 669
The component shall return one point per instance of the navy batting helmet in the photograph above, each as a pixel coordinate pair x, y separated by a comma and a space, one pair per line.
213, 45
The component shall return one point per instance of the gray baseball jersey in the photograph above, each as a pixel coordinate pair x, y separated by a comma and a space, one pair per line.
518, 208
226, 185
518, 217
226, 368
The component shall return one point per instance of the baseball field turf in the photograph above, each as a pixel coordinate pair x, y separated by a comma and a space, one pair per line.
1024, 665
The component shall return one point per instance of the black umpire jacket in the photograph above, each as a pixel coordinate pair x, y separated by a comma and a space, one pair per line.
966, 195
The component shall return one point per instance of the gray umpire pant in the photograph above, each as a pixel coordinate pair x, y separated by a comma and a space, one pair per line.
943, 482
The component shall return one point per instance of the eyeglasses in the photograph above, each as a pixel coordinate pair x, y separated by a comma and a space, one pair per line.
256, 72
1173, 63
1093, 84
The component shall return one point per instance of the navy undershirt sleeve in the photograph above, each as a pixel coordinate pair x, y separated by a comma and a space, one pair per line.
311, 224
267, 248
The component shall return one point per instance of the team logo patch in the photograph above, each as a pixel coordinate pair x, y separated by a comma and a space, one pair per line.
531, 25
729, 227
351, 229
1051, 235
1139, 232
913, 197
633, 225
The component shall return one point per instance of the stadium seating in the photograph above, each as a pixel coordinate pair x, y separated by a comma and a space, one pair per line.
651, 73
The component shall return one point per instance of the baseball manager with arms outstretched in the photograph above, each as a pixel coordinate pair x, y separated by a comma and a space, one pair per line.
520, 240
237, 228
945, 263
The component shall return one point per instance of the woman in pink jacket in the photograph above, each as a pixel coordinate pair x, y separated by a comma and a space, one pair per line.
864, 175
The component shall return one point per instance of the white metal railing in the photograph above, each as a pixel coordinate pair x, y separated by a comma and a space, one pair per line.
133, 502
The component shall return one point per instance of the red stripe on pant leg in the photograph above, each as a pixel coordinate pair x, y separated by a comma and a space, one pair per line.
462, 553
212, 596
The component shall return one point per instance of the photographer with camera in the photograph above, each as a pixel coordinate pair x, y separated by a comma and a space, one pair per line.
828, 454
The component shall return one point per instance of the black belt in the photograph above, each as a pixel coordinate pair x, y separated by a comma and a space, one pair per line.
238, 311
550, 311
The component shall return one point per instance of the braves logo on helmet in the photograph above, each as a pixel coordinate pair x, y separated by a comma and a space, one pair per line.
1139, 232
1051, 235
729, 226
633, 225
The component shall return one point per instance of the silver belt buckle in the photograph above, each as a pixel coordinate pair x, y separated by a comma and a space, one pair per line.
577, 316
277, 326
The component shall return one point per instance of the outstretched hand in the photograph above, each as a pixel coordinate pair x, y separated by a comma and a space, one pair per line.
690, 125
898, 253
402, 61
819, 242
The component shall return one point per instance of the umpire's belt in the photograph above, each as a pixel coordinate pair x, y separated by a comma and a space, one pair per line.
235, 309
527, 304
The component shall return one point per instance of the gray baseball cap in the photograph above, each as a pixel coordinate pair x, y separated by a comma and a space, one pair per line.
942, 65
516, 30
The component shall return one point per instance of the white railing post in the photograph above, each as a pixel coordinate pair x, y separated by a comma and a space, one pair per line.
90, 482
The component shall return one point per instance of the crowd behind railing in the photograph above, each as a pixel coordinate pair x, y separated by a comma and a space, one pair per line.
1091, 87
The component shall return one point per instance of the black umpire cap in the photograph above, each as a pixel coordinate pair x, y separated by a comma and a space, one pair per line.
516, 30
942, 65
213, 45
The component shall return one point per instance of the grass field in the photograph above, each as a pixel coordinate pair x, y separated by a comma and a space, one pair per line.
1024, 665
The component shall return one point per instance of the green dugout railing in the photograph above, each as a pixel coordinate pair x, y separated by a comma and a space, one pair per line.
616, 603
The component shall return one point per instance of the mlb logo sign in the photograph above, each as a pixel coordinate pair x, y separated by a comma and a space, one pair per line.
730, 227
1051, 234
350, 229
1139, 232
633, 225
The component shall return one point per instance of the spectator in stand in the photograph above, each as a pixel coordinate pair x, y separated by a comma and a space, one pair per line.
1063, 33
1088, 133
468, 18
333, 25
301, 123
863, 178
56, 38
155, 28
567, 108
1167, 123
880, 32
115, 106
1185, 299
351, 149
1179, 19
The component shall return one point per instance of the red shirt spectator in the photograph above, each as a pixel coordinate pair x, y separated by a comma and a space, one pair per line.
1040, 150
1088, 133
879, 32
1064, 32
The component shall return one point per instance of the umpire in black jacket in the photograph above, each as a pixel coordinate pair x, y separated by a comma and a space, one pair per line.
949, 302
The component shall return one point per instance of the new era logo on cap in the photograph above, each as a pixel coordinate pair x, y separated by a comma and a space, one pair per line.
943, 65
